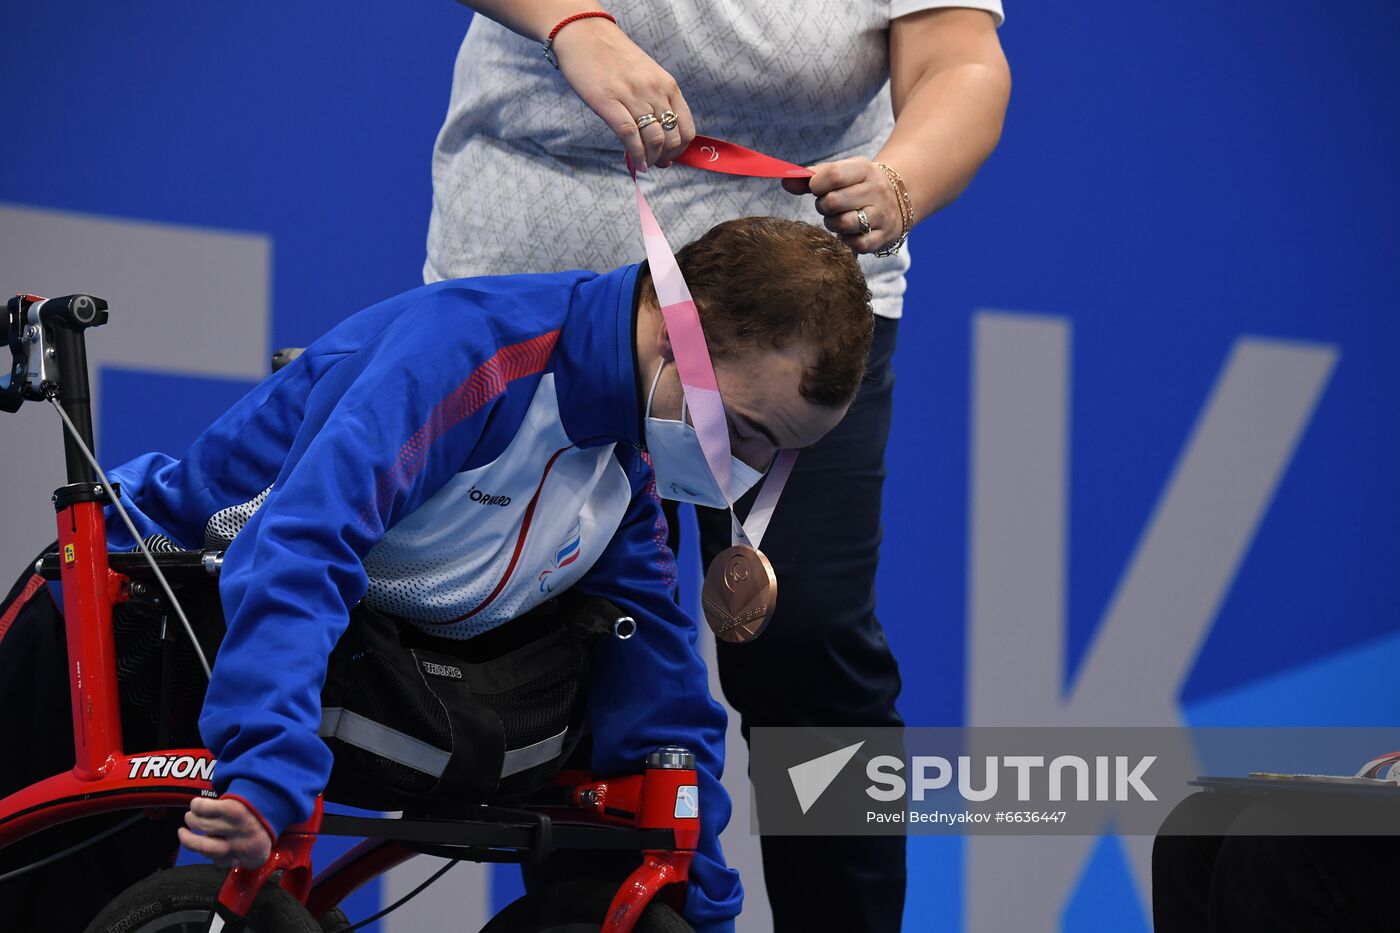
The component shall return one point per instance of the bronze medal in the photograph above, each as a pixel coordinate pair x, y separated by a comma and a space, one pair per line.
740, 593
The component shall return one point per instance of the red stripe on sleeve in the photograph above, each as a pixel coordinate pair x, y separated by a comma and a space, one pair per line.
488, 381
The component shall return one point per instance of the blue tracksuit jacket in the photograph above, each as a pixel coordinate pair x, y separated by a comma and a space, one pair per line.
452, 456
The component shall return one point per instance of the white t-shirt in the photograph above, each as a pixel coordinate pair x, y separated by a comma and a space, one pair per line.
527, 179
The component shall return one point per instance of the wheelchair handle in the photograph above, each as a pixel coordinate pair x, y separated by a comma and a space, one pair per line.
48, 352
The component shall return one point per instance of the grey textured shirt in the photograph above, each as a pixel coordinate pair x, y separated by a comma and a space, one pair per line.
527, 179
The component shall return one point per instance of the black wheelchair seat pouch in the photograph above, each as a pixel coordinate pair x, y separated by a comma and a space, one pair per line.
157, 671
413, 719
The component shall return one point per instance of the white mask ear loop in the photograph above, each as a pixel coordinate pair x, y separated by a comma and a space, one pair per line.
650, 395
654, 380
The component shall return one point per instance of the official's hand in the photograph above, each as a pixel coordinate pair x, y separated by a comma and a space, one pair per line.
619, 82
844, 187
226, 832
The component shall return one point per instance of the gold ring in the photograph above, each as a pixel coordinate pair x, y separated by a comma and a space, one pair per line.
645, 120
669, 120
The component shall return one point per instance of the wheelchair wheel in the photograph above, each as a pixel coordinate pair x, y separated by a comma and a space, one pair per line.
578, 907
181, 900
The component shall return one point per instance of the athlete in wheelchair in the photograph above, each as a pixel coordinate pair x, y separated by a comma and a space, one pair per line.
441, 561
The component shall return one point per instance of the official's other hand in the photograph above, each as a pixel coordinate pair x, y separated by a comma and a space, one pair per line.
849, 185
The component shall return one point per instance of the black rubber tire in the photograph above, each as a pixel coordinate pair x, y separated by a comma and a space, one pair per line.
333, 921
578, 907
184, 898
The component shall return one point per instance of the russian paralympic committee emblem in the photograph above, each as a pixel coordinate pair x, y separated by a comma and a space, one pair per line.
563, 557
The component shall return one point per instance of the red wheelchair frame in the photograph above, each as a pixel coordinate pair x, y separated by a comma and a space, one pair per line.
637, 812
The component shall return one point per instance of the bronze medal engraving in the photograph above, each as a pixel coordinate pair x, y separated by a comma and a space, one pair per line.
740, 593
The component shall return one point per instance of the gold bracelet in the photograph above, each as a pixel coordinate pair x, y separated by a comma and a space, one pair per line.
906, 210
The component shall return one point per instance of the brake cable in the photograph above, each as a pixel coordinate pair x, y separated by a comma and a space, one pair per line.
131, 527
401, 901
77, 847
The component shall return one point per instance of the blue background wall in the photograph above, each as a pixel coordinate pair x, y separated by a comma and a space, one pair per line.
1173, 175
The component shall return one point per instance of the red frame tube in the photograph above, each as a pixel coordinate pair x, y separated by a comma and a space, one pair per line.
657, 870
291, 855
130, 782
88, 595
656, 800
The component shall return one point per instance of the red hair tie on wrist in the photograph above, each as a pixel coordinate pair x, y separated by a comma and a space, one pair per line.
549, 40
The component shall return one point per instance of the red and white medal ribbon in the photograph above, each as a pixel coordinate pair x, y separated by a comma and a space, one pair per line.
693, 362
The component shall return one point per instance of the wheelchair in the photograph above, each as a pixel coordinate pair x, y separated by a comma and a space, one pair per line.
653, 812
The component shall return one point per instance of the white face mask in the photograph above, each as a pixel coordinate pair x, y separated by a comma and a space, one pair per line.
682, 474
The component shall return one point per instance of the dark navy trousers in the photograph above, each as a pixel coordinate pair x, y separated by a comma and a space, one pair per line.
823, 659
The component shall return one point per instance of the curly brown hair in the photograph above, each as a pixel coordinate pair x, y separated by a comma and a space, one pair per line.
765, 282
